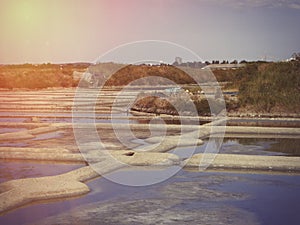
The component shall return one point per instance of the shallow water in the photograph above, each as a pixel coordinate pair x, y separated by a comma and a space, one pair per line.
278, 122
10, 130
16, 169
13, 144
260, 199
56, 117
46, 136
247, 146
14, 120
274, 199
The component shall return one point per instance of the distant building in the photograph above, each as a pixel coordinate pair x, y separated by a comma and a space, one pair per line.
178, 60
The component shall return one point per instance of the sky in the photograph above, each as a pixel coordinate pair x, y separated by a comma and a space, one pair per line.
60, 31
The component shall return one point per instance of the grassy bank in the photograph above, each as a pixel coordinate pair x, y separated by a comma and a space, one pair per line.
39, 76
272, 87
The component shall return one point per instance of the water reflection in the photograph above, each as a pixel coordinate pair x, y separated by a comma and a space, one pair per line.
249, 146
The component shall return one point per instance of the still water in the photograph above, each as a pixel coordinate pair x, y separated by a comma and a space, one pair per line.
206, 197
188, 197
248, 146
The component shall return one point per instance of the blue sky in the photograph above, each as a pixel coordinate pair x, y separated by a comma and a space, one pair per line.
38, 31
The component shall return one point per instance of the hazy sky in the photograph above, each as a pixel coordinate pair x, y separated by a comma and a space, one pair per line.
37, 31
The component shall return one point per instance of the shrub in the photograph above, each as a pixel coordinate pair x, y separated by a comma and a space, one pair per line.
271, 86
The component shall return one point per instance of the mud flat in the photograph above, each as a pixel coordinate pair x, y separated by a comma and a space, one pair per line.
43, 136
262, 163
